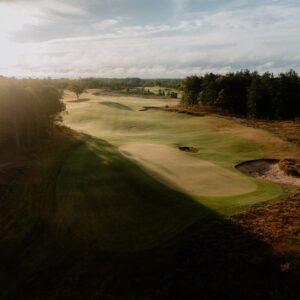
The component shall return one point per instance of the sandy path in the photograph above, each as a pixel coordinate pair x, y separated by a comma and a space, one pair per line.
188, 173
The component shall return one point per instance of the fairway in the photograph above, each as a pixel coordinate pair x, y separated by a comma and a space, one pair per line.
128, 187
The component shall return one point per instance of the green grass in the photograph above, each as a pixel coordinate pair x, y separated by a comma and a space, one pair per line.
118, 204
105, 198
83, 213
86, 192
119, 127
229, 205
89, 190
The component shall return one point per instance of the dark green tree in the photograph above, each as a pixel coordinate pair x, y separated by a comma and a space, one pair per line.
191, 87
78, 87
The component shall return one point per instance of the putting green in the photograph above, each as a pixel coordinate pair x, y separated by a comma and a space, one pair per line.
189, 174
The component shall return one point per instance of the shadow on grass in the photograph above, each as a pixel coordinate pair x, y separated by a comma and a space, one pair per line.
79, 100
116, 105
210, 259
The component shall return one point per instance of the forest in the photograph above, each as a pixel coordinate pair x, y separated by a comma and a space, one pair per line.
247, 93
30, 110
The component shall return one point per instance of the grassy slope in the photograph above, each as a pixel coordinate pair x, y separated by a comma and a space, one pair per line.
218, 141
107, 199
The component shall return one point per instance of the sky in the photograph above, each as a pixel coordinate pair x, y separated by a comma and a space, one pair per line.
147, 38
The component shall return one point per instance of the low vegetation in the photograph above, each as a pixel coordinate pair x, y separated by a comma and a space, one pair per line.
78, 87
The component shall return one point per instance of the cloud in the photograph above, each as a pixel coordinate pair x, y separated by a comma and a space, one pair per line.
72, 40
55, 6
107, 24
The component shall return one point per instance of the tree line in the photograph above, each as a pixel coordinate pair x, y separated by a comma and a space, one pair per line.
246, 93
29, 112
134, 86
116, 83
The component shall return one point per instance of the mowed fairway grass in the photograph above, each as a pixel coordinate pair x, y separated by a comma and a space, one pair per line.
127, 187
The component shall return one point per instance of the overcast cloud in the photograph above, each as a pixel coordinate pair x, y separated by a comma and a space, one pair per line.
158, 38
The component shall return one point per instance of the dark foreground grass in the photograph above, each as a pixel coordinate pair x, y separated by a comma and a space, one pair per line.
106, 199
65, 235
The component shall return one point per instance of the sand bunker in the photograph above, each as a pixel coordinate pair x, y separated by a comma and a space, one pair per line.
188, 149
188, 173
267, 169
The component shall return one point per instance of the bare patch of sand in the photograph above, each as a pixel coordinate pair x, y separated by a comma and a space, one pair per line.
268, 170
187, 172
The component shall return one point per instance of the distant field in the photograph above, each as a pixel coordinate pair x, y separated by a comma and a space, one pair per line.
155, 89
